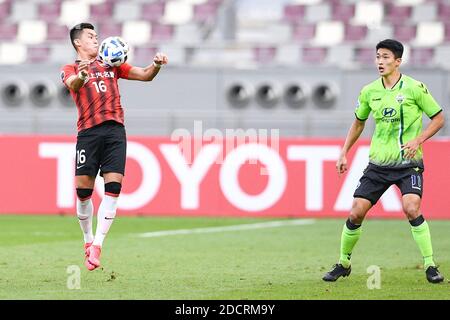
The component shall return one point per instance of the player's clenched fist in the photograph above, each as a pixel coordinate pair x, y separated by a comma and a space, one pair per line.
83, 68
160, 59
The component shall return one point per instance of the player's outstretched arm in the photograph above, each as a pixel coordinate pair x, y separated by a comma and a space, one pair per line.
148, 73
352, 136
76, 82
411, 147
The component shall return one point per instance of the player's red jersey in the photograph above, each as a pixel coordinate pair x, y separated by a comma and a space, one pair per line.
98, 100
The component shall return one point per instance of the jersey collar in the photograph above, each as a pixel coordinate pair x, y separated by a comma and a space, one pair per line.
393, 87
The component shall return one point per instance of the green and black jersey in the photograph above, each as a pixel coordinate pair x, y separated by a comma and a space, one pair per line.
398, 119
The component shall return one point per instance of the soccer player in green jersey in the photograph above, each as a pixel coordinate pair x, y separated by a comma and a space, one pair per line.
397, 103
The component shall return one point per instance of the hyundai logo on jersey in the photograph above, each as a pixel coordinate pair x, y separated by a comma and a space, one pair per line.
389, 112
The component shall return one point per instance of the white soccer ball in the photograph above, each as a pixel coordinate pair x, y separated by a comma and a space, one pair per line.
113, 51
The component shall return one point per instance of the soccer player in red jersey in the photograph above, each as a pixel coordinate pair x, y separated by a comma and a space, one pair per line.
101, 139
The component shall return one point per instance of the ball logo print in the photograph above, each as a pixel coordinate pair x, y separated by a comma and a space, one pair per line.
400, 98
113, 51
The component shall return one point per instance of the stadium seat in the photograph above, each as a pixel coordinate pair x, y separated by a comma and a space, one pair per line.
151, 1
355, 33
94, 1
12, 53
62, 53
308, 2
259, 12
177, 12
264, 55
304, 32
8, 31
405, 33
317, 13
49, 12
294, 13
342, 11
205, 12
408, 2
421, 56
176, 52
374, 35
23, 10
136, 32
38, 54
57, 32
108, 29
365, 55
72, 12
153, 12
314, 55
194, 2
441, 56
444, 11
429, 34
406, 54
270, 26
328, 33
369, 13
398, 14
161, 32
32, 32
216, 2
279, 33
101, 11
424, 12
287, 54
126, 11
447, 32
4, 10
188, 34
341, 55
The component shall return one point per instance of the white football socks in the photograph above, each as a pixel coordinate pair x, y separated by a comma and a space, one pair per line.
105, 218
85, 211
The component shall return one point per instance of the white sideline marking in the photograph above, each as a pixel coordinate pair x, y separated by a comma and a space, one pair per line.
252, 226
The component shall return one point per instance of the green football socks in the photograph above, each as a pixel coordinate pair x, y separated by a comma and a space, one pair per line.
350, 235
421, 234
420, 231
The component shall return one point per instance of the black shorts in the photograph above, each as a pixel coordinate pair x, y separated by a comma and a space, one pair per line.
102, 147
376, 180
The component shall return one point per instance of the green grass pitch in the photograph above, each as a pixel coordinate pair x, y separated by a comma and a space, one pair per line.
284, 262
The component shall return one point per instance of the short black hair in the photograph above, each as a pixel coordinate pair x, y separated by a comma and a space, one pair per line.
77, 29
393, 45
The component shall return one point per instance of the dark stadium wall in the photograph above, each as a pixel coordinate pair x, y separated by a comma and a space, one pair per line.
309, 102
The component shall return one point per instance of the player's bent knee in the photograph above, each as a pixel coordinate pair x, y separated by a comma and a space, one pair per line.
356, 219
411, 210
359, 211
84, 194
113, 189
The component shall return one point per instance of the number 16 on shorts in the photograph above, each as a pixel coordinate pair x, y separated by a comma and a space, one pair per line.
81, 158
